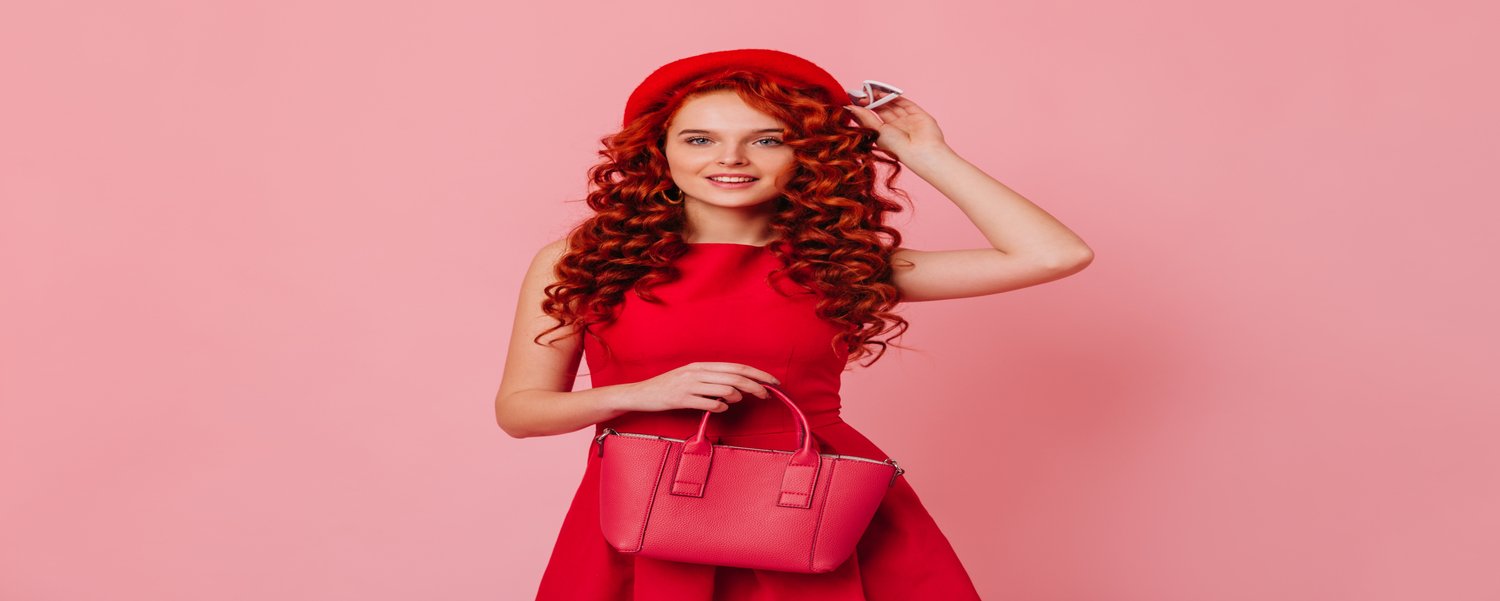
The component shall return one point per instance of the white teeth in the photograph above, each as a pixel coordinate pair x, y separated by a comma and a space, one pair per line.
732, 180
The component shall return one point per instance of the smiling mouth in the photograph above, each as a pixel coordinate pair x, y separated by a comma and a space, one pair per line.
746, 185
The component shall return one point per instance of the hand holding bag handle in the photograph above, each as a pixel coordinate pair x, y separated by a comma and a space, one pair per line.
801, 470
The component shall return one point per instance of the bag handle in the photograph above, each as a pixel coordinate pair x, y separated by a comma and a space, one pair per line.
799, 419
796, 483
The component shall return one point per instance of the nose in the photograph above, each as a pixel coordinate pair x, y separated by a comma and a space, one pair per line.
732, 155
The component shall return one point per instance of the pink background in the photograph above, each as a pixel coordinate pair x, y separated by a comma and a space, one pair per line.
260, 264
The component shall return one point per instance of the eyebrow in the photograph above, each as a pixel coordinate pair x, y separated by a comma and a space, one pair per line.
776, 130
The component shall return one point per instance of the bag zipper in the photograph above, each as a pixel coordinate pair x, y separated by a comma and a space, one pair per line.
608, 431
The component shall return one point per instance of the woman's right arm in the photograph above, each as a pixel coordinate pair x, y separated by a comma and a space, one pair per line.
536, 395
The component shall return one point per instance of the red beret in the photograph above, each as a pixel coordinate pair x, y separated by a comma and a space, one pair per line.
780, 66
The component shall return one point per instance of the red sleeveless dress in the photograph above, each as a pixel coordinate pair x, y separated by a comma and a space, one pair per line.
724, 308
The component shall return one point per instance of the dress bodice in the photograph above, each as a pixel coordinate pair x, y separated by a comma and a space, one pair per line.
723, 307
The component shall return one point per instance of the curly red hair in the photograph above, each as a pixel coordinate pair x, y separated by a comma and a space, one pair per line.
830, 214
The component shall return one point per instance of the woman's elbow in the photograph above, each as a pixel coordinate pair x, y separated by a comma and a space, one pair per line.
506, 422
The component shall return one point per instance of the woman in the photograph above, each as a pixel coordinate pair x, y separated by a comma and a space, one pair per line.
738, 239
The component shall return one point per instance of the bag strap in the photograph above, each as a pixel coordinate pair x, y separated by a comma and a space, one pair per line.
796, 483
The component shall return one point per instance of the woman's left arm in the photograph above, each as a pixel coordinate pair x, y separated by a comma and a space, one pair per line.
1029, 245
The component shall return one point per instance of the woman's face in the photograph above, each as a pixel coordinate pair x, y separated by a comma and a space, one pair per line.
717, 133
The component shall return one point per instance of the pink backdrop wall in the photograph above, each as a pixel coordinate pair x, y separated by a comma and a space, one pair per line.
260, 262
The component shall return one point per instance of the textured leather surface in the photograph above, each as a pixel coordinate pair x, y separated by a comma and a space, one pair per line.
789, 510
633, 474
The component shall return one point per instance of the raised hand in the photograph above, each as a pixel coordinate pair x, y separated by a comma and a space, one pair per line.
905, 129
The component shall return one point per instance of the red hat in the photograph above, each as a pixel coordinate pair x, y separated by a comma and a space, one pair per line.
780, 66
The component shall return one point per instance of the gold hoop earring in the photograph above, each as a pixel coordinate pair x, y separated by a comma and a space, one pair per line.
669, 200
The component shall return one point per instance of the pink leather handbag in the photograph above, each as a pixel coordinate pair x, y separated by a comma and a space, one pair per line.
697, 502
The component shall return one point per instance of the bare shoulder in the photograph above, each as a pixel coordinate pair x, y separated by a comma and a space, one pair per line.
551, 252
543, 269
539, 275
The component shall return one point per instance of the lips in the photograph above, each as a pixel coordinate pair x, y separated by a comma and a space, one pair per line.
732, 185
733, 175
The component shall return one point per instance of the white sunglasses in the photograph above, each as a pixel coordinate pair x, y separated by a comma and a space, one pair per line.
870, 86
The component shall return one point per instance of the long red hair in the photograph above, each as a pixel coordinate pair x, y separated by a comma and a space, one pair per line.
830, 214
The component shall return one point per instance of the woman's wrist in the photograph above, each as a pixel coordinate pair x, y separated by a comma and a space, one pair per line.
616, 399
920, 158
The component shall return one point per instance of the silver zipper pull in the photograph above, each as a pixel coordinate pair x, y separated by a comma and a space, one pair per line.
599, 440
